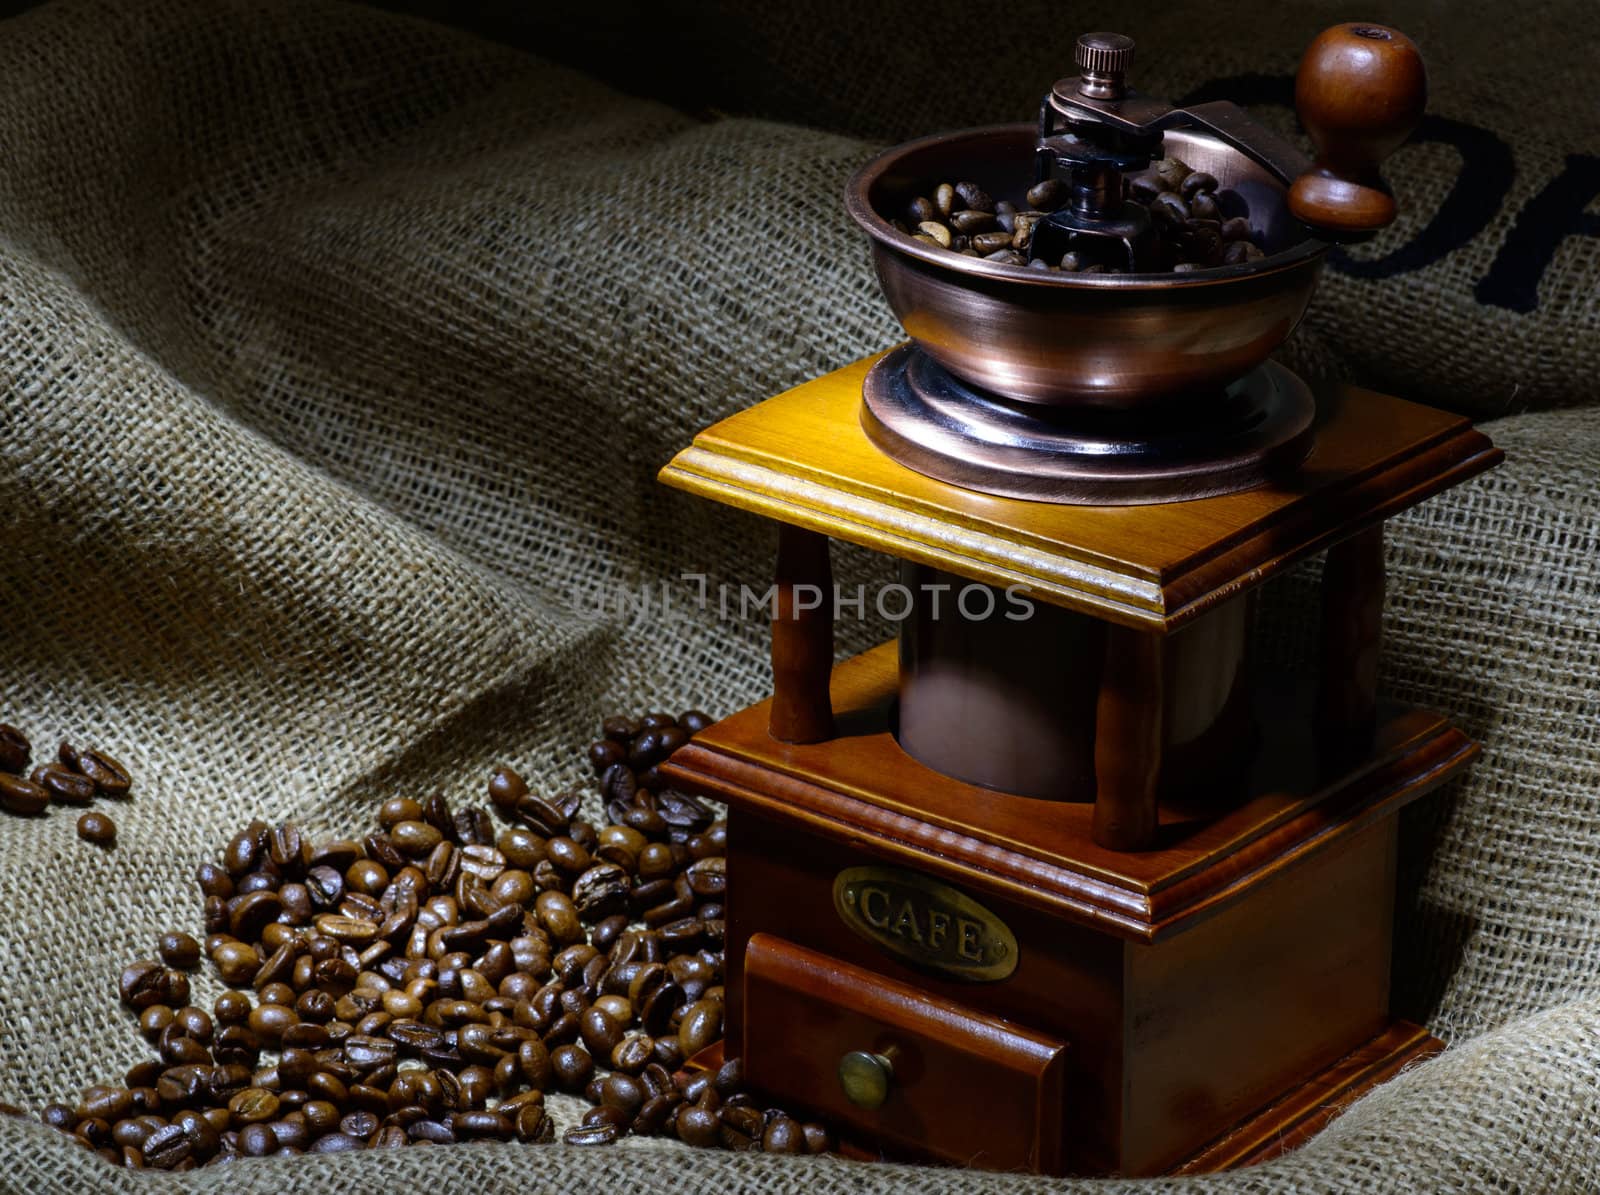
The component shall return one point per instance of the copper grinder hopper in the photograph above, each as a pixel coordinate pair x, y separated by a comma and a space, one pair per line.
1128, 383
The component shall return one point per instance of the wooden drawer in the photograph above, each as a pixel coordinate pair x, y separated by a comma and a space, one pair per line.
966, 1087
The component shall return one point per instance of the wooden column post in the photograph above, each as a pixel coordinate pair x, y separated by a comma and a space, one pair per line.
1352, 630
1128, 739
802, 638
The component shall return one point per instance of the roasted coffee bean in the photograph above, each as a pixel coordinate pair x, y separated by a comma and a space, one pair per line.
257, 1141
65, 786
242, 852
1236, 228
601, 1134
415, 837
396, 810
698, 1125
166, 1147
372, 959
1239, 252
1197, 182
253, 1105
1048, 195
15, 750
783, 1136
1169, 208
973, 197
602, 754
21, 796
701, 1025
97, 828
1204, 207
506, 788
178, 949
236, 962
109, 776
142, 984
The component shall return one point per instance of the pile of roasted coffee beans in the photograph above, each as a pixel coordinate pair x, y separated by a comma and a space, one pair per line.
429, 983
1192, 232
73, 778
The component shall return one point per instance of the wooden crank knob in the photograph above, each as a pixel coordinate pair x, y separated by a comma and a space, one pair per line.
1359, 92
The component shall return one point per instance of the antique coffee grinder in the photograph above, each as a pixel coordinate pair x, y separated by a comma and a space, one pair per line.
1091, 889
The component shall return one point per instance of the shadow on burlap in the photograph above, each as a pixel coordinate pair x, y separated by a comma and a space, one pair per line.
339, 353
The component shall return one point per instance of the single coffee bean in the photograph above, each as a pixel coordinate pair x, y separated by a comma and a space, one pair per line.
257, 1141
1204, 207
989, 242
167, 1147
254, 1105
97, 828
1239, 252
918, 210
571, 1067
701, 1025
1169, 208
1196, 183
1236, 228
393, 811
236, 962
973, 197
783, 1136
15, 750
22, 796
109, 776
1048, 195
698, 1125
819, 1139
65, 786
602, 1134
178, 949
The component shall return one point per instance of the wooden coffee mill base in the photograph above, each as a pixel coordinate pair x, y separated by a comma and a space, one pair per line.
1089, 891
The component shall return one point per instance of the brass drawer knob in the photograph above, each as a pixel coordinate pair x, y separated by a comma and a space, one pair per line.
865, 1078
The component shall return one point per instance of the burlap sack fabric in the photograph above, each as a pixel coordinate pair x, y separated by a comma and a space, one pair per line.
339, 352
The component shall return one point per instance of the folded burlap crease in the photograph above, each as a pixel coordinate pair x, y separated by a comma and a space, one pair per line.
338, 354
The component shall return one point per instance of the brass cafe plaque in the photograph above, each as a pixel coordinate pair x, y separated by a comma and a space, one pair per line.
925, 923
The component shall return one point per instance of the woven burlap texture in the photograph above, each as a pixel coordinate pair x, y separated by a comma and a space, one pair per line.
339, 353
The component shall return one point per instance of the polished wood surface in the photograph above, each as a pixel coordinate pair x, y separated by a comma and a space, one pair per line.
1360, 91
803, 458
1294, 1119
806, 1010
1349, 642
1225, 1017
1129, 735
1172, 1043
1207, 853
802, 638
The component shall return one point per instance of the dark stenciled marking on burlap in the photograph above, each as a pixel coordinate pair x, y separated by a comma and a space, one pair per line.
430, 982
1556, 211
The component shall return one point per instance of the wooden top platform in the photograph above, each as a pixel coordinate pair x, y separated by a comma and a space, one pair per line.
860, 787
803, 458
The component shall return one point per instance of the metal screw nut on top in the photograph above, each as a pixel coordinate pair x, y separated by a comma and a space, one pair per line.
1104, 59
